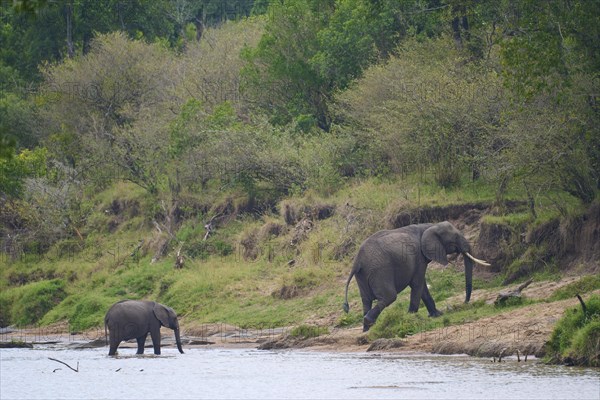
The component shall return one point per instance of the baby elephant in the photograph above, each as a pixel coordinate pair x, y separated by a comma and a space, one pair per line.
129, 319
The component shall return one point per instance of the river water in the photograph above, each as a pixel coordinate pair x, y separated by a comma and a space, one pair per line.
255, 374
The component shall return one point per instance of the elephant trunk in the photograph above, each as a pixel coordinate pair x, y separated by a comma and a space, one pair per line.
178, 340
468, 278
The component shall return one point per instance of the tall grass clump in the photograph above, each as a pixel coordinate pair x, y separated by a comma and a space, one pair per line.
576, 337
396, 322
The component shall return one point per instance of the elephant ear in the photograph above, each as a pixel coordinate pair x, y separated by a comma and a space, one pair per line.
432, 246
162, 314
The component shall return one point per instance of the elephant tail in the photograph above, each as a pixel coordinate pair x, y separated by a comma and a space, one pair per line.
346, 305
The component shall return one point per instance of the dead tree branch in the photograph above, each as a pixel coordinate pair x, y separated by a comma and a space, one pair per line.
179, 258
210, 227
64, 363
504, 296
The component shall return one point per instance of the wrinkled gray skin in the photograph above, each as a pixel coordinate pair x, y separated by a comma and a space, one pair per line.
133, 319
390, 260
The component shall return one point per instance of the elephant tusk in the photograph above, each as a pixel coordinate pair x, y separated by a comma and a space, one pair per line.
478, 261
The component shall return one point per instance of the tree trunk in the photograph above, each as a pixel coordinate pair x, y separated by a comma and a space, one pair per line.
69, 20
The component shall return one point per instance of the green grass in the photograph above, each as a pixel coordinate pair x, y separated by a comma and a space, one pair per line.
584, 285
396, 322
308, 331
513, 220
576, 337
27, 304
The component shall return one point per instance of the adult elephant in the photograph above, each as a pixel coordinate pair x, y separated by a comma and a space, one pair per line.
133, 319
390, 260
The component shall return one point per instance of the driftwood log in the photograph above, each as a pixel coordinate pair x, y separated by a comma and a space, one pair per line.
503, 297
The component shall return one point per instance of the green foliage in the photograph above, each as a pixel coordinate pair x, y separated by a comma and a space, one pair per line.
510, 302
202, 250
27, 164
584, 285
396, 322
378, 106
7, 146
17, 118
444, 283
82, 311
585, 347
350, 319
425, 110
279, 74
308, 331
575, 336
553, 40
180, 136
27, 304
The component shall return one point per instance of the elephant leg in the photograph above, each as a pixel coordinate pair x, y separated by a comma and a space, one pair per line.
114, 344
416, 292
385, 297
366, 295
429, 303
155, 335
141, 342
367, 306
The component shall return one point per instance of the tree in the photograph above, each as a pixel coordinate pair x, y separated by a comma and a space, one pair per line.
552, 57
96, 98
280, 78
209, 70
427, 109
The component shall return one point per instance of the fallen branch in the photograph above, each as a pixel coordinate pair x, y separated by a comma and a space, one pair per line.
504, 296
64, 363
209, 227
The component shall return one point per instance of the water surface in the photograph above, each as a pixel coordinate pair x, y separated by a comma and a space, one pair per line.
253, 374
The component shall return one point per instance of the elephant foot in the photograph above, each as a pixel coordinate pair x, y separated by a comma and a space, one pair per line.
367, 324
436, 313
